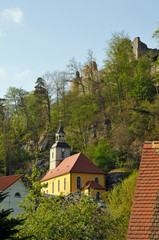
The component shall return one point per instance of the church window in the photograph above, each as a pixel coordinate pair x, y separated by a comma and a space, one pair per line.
59, 137
58, 185
78, 182
96, 179
52, 154
62, 152
17, 195
52, 187
64, 183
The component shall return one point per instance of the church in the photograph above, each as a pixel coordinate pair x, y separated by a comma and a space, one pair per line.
72, 173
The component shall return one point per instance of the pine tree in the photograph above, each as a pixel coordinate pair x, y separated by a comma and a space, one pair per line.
7, 225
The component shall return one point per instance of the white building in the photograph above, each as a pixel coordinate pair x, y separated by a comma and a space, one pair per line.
17, 187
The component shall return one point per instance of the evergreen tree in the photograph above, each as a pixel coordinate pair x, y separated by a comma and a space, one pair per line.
8, 226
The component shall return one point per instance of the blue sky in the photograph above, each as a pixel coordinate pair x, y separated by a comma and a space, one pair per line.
37, 36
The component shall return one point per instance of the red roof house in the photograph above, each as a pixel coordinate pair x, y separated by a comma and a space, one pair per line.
17, 188
144, 219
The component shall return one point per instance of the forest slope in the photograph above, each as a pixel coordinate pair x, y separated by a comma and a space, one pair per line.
107, 117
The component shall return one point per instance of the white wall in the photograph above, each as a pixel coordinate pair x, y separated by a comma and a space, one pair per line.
11, 201
56, 157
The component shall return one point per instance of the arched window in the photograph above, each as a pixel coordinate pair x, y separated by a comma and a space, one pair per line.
62, 153
97, 195
17, 194
52, 187
96, 179
64, 184
78, 182
58, 185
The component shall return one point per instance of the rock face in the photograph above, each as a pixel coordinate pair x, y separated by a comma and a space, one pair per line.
42, 145
89, 73
140, 49
44, 141
115, 178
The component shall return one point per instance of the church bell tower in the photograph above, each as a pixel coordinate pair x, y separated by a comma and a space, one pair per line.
60, 149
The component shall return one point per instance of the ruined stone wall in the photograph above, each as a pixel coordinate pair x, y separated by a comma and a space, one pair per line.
140, 48
89, 73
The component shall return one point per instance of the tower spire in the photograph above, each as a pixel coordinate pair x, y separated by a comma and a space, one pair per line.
60, 148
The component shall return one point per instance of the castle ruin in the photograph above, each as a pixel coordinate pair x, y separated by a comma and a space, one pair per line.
140, 49
91, 72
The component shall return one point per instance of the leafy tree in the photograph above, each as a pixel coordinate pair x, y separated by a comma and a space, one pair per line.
80, 112
57, 83
143, 83
79, 217
8, 226
60, 218
119, 202
119, 66
104, 156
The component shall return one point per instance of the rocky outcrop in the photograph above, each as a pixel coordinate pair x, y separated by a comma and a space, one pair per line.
114, 178
89, 73
42, 145
44, 142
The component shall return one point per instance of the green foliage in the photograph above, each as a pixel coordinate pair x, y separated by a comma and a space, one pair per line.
143, 85
8, 226
119, 202
80, 112
79, 217
120, 65
57, 218
119, 104
104, 156
32, 200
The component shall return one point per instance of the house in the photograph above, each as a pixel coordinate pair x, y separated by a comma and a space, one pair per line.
144, 219
17, 188
74, 173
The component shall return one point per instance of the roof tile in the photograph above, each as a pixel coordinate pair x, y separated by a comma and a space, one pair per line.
144, 220
93, 184
78, 163
7, 181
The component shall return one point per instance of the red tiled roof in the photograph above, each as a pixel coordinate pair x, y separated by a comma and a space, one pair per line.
144, 220
93, 185
7, 181
77, 163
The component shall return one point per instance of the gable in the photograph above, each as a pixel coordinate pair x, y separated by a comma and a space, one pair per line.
7, 181
16, 193
77, 163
